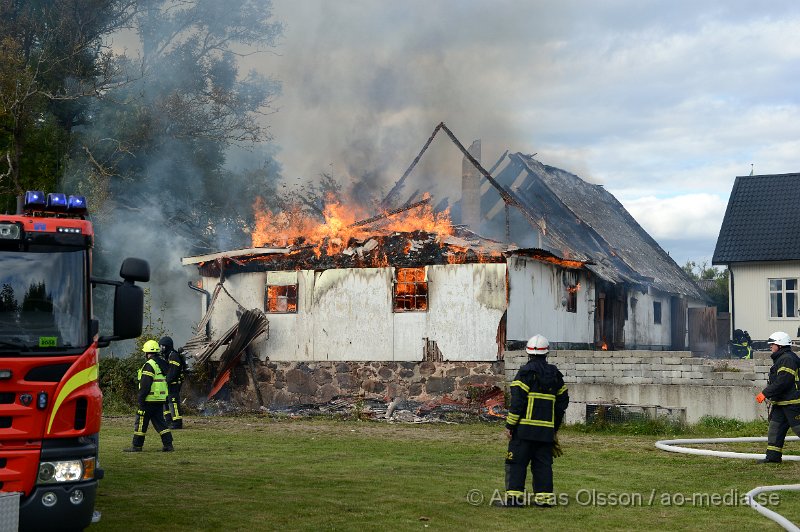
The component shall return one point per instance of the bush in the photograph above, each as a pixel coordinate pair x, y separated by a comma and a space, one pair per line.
118, 381
660, 426
119, 376
707, 426
717, 426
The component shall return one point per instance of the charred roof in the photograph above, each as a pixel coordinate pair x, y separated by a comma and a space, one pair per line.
404, 250
582, 221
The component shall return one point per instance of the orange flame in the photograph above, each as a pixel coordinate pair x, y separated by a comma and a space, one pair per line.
411, 289
282, 298
288, 227
604, 347
456, 255
494, 413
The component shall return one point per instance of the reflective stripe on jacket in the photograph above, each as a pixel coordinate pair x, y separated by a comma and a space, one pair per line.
158, 387
539, 399
783, 384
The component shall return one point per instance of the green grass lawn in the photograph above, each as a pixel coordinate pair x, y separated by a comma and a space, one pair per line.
257, 473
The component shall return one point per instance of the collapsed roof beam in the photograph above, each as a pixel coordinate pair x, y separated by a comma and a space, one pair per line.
392, 212
397, 186
507, 198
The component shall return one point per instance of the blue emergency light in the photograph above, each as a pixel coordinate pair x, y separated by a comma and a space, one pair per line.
76, 204
34, 199
56, 202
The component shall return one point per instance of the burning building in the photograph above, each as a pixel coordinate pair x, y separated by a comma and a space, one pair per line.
408, 304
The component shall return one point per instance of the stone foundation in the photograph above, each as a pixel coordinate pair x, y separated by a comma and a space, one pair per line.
289, 383
703, 387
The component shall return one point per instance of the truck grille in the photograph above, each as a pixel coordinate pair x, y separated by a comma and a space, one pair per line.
51, 373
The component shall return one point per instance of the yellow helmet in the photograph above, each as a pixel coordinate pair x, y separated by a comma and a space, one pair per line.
151, 346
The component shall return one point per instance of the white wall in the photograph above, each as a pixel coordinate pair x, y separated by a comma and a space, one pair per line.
641, 329
346, 314
535, 306
751, 298
535, 303
467, 302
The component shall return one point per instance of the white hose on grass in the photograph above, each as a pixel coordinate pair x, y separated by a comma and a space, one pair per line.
775, 516
674, 446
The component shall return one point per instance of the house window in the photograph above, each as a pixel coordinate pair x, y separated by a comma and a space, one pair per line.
657, 312
281, 293
410, 290
783, 298
571, 288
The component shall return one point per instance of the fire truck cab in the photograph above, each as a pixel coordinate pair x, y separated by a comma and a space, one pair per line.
50, 399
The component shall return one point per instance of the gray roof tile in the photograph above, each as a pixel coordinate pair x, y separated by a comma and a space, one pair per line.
762, 221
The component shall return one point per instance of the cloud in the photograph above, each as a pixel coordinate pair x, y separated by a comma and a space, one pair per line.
685, 225
656, 101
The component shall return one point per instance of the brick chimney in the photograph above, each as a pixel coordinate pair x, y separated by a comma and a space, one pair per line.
471, 189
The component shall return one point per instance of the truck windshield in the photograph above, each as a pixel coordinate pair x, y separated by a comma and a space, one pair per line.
43, 301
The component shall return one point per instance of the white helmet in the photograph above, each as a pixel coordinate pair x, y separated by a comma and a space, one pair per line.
779, 338
537, 345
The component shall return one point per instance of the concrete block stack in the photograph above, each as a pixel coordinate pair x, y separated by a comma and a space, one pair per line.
650, 367
670, 379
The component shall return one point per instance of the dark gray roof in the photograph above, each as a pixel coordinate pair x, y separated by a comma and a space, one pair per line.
585, 222
762, 221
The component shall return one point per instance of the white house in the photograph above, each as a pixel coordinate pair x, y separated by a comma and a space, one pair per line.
589, 278
759, 242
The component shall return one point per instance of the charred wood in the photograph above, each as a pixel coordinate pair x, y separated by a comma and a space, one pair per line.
392, 212
390, 197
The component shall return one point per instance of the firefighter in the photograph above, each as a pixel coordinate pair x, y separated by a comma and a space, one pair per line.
151, 399
783, 392
539, 400
176, 369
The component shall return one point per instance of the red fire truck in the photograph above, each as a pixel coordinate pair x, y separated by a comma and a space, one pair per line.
50, 400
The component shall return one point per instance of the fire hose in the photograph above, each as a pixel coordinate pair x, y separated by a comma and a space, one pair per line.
674, 446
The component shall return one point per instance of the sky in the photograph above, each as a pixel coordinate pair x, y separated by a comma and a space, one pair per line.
664, 103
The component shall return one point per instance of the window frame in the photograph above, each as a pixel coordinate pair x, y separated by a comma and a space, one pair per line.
658, 313
284, 285
415, 296
572, 285
782, 293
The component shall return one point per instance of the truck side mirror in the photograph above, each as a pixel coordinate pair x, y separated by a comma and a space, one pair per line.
128, 301
135, 270
128, 309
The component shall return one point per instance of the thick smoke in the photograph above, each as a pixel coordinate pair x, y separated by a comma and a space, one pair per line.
143, 232
360, 101
167, 170
646, 99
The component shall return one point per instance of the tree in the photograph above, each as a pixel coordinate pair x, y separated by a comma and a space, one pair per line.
36, 298
8, 302
52, 62
166, 142
714, 281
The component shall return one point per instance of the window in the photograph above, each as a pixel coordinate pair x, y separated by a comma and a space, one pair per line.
783, 298
281, 292
410, 290
571, 288
657, 312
